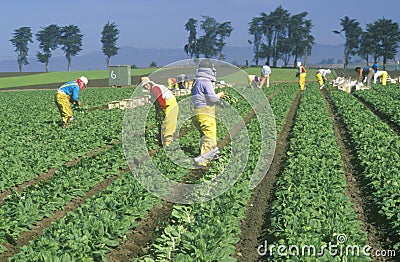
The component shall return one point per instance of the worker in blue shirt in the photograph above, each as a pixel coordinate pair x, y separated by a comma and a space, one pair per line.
66, 94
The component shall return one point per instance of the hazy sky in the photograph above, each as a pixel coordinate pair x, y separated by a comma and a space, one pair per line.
160, 23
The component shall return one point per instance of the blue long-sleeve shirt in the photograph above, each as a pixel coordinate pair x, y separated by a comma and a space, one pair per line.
72, 89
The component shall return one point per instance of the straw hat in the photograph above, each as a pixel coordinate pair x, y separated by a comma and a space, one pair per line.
144, 80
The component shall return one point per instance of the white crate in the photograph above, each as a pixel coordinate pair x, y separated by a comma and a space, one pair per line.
113, 104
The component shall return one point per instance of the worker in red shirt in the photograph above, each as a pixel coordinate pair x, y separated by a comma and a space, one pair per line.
301, 74
166, 109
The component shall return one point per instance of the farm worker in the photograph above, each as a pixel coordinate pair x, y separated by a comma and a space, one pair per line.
253, 80
301, 74
188, 82
172, 84
69, 93
204, 100
180, 79
266, 73
365, 72
381, 74
166, 109
321, 76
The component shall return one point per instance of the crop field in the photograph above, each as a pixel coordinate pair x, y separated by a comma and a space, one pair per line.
328, 185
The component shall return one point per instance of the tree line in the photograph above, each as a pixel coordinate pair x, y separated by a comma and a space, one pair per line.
276, 36
380, 39
68, 38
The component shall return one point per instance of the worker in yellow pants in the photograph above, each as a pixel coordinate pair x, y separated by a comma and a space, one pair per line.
321, 77
67, 93
204, 100
166, 105
381, 74
301, 74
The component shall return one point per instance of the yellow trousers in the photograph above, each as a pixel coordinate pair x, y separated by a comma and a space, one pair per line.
320, 79
302, 81
171, 118
204, 120
384, 78
64, 107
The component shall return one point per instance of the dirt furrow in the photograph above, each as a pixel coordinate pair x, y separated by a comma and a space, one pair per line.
258, 209
357, 187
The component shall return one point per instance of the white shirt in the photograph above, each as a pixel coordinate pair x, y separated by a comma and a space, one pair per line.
266, 70
324, 72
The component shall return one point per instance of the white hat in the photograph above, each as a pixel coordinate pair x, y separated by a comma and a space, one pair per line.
328, 71
144, 80
298, 63
84, 80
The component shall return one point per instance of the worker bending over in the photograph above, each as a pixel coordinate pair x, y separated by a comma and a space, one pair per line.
66, 94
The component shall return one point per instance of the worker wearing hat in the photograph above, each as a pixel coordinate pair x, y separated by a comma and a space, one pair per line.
301, 74
69, 93
166, 109
204, 100
321, 76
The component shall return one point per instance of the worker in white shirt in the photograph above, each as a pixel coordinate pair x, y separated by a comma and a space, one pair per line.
321, 76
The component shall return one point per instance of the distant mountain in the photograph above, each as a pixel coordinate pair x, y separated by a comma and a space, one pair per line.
141, 57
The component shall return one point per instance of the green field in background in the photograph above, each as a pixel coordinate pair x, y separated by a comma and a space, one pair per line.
278, 74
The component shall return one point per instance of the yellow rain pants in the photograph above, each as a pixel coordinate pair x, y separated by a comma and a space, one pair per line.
64, 107
302, 81
170, 122
384, 78
204, 120
320, 79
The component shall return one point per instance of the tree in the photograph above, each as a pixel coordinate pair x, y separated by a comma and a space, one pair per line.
224, 30
366, 47
49, 38
386, 37
256, 31
280, 17
208, 42
109, 37
299, 32
212, 42
191, 48
21, 38
352, 30
71, 42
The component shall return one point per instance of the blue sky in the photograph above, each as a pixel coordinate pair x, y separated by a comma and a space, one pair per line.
160, 23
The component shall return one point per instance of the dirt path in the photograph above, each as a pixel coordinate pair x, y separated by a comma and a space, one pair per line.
357, 187
258, 208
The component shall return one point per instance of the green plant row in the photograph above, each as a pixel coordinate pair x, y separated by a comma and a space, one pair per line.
311, 208
91, 231
21, 210
377, 148
385, 101
208, 231
32, 142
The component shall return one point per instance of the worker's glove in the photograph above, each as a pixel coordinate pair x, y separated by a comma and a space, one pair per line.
297, 74
77, 103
